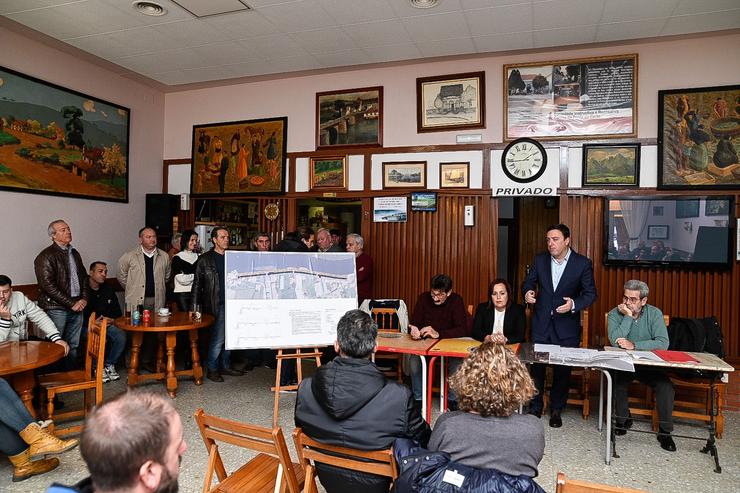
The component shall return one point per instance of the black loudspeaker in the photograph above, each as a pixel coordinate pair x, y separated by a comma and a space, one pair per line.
160, 209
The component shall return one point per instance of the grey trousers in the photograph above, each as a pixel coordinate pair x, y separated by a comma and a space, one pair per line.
661, 385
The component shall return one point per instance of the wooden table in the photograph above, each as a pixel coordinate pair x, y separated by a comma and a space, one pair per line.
398, 342
169, 326
18, 359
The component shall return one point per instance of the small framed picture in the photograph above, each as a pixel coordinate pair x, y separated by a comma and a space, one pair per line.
454, 175
610, 165
687, 208
658, 232
717, 207
328, 173
451, 102
424, 201
407, 174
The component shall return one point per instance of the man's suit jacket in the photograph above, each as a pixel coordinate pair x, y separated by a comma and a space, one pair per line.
577, 282
515, 322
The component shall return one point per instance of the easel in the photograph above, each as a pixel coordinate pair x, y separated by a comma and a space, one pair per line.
298, 355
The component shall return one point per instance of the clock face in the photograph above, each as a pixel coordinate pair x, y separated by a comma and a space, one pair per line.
524, 160
272, 211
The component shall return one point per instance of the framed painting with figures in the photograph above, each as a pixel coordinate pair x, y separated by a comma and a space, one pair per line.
699, 138
241, 157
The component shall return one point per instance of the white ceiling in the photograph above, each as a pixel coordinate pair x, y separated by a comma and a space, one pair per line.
280, 36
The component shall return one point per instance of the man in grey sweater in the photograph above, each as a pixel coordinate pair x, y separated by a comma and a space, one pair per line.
634, 324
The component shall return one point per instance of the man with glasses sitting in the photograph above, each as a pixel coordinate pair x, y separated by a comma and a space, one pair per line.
438, 314
636, 325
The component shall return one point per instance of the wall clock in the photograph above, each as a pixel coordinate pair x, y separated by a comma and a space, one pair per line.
272, 211
524, 160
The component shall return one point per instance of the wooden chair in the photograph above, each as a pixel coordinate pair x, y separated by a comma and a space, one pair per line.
578, 393
565, 485
87, 379
380, 462
384, 319
270, 471
693, 400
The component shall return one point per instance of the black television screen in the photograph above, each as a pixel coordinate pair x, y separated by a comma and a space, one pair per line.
688, 232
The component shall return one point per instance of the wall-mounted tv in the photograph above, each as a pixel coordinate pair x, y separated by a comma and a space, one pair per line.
683, 232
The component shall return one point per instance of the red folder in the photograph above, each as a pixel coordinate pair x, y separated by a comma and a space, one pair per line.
675, 356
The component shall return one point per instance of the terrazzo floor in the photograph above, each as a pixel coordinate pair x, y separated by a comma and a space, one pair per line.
577, 449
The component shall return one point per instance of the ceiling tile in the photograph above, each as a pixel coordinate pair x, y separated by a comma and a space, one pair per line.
291, 64
208, 73
240, 25
715, 21
74, 20
378, 33
479, 4
389, 53
274, 46
355, 11
171, 78
342, 58
564, 37
225, 53
192, 32
631, 10
324, 40
446, 47
555, 14
248, 69
630, 30
298, 16
499, 20
695, 7
404, 9
147, 64
199, 8
440, 26
11, 6
504, 42
103, 45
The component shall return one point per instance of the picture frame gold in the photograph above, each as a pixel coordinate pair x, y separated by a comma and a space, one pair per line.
328, 173
454, 175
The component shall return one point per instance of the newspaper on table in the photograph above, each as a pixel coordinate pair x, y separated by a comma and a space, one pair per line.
586, 357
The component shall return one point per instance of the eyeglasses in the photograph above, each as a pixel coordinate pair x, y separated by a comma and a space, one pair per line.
631, 299
439, 295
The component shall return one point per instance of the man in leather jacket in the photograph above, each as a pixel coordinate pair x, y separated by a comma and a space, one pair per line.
208, 286
350, 403
63, 288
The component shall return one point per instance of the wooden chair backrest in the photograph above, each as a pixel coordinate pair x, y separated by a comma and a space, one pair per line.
565, 485
584, 329
384, 317
95, 353
380, 462
269, 441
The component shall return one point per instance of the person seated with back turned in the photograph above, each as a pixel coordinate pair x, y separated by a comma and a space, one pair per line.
499, 315
486, 433
132, 443
634, 324
438, 314
350, 403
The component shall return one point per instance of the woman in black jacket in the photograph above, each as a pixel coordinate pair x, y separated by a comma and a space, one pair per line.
499, 315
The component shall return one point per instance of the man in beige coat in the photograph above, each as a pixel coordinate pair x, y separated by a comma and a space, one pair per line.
144, 272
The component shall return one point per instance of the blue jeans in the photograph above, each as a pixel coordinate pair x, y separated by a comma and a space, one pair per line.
417, 386
69, 325
115, 341
13, 418
218, 357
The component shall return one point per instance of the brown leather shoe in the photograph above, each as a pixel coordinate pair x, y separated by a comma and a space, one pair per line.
24, 468
43, 443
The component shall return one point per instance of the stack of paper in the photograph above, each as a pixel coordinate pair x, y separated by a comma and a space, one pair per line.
586, 357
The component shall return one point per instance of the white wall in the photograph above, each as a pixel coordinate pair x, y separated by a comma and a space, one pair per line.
100, 230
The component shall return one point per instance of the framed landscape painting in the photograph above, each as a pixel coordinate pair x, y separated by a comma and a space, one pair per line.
244, 157
571, 99
607, 165
454, 175
58, 141
409, 174
451, 102
328, 173
699, 138
349, 118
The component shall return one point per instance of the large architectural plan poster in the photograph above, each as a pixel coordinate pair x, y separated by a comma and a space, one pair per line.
279, 300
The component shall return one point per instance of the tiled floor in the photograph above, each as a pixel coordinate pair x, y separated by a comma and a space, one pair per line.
576, 449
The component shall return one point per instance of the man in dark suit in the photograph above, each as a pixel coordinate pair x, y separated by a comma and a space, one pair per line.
564, 281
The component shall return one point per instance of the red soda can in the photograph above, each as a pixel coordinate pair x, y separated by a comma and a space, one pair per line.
146, 316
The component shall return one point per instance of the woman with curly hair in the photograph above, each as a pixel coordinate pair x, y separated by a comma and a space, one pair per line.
485, 432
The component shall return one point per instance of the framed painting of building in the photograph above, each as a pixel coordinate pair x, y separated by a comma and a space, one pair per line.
244, 157
451, 102
571, 99
407, 174
58, 141
349, 118
699, 138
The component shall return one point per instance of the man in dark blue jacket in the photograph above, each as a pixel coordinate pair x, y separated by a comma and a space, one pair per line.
350, 403
560, 285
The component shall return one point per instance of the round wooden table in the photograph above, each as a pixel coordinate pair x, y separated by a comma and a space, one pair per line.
169, 326
18, 359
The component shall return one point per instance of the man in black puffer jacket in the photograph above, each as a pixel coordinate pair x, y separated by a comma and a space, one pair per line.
350, 403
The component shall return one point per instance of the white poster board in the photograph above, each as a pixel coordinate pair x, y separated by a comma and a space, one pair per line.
390, 210
280, 299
